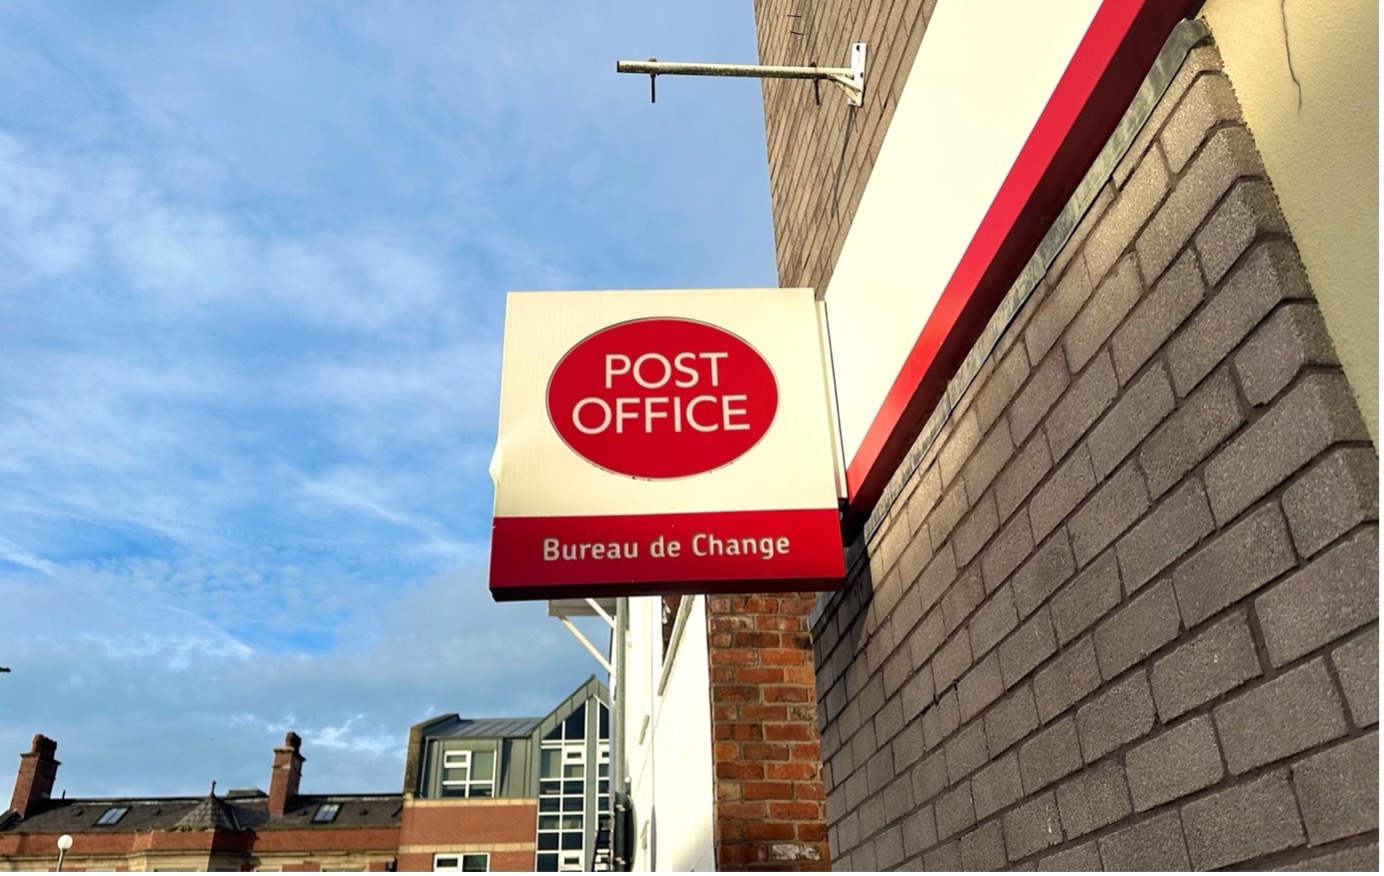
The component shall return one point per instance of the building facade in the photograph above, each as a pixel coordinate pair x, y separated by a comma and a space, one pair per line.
241, 829
479, 794
1113, 588
720, 752
526, 793
1101, 280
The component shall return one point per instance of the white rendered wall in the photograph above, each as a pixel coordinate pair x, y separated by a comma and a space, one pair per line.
670, 769
1322, 155
971, 99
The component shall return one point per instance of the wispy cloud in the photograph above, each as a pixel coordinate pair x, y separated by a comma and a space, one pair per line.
250, 321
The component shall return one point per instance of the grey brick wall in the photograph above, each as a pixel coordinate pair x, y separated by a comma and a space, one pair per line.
1124, 615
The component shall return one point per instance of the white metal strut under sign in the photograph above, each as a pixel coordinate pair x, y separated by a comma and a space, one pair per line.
671, 441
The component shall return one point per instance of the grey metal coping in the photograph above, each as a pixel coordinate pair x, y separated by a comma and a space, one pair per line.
457, 727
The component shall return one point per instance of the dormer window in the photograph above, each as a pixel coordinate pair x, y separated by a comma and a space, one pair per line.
468, 773
112, 815
326, 813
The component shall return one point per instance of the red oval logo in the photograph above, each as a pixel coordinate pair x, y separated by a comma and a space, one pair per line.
662, 397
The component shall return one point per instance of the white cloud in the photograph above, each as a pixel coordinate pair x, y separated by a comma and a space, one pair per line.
122, 681
250, 325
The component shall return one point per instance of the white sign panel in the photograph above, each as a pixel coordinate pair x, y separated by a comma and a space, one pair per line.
663, 441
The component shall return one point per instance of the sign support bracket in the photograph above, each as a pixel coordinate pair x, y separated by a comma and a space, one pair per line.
596, 607
850, 79
572, 628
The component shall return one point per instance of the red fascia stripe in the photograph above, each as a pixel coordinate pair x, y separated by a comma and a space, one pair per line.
1100, 81
792, 549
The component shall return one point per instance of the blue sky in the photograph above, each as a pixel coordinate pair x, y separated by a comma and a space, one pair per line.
253, 258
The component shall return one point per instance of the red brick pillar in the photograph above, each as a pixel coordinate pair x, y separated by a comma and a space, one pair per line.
766, 754
286, 774
38, 770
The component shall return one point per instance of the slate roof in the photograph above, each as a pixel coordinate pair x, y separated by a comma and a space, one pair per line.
453, 726
79, 815
456, 727
210, 814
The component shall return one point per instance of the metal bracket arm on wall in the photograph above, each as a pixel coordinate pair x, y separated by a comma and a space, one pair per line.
851, 79
572, 628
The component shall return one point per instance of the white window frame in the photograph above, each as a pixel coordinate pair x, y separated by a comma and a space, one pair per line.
464, 756
458, 861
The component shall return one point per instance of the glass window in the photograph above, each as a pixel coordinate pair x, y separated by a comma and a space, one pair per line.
575, 725
467, 773
112, 815
563, 785
478, 862
326, 813
483, 765
550, 762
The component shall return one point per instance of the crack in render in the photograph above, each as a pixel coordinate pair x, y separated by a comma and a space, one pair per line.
1288, 50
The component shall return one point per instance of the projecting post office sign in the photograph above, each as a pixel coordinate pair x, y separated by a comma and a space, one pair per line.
664, 442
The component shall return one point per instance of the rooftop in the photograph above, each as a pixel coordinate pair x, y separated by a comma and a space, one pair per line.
454, 726
81, 815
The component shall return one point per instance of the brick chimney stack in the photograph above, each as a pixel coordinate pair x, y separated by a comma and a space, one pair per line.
38, 769
288, 771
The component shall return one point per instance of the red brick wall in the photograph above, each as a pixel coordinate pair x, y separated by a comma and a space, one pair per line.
415, 862
102, 844
463, 822
432, 825
500, 862
469, 821
335, 840
511, 861
765, 751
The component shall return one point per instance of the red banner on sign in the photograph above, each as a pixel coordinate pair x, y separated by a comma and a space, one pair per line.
715, 552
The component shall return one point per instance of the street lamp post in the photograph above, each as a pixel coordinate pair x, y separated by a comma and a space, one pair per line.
64, 843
